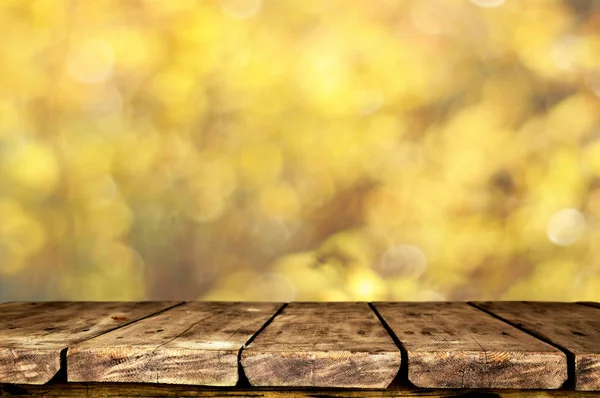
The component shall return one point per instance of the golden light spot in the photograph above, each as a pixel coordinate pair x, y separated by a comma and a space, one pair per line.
34, 166
365, 285
566, 227
91, 62
564, 51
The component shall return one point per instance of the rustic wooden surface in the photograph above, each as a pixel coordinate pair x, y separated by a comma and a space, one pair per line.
323, 345
97, 390
32, 335
453, 345
195, 343
573, 327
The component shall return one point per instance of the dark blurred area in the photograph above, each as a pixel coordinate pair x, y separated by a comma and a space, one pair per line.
300, 150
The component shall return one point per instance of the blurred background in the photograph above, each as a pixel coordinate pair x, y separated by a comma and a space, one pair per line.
300, 150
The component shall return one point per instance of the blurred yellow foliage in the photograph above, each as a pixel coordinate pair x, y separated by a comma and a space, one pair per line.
300, 150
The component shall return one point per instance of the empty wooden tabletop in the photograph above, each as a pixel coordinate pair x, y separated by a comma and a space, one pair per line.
507, 345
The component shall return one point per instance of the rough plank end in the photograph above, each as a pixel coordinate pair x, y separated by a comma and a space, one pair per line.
26, 366
218, 368
333, 369
490, 369
587, 370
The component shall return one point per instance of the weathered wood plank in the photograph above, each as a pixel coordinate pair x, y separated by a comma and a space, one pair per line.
453, 345
196, 343
573, 327
32, 335
323, 345
97, 390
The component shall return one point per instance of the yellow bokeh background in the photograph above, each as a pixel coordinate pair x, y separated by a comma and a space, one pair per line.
300, 150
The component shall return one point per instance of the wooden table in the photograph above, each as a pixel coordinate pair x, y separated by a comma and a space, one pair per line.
344, 349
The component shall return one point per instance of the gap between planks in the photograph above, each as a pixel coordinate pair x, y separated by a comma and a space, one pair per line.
402, 376
242, 379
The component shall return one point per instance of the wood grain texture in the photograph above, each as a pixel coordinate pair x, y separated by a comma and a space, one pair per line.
453, 345
97, 390
196, 343
573, 327
323, 345
32, 335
